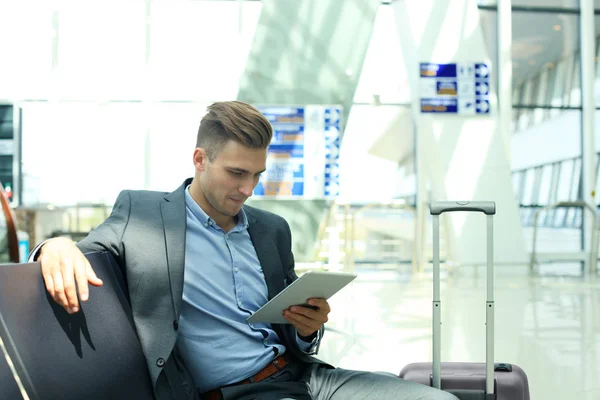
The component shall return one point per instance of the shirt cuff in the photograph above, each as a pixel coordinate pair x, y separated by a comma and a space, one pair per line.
35, 253
308, 347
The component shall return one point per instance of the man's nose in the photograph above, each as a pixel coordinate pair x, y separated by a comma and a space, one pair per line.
247, 188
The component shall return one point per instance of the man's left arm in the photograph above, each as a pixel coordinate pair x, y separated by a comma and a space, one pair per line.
308, 323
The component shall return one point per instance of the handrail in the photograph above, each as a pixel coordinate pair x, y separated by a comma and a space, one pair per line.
593, 257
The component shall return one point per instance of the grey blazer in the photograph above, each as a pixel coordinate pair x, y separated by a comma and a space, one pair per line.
146, 233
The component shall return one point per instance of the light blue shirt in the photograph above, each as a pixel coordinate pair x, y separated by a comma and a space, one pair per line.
223, 285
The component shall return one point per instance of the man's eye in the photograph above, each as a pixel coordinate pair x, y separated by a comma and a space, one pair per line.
235, 173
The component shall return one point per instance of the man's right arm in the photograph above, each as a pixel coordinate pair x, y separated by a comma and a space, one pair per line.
64, 266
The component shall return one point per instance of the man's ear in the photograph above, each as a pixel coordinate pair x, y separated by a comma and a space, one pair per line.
200, 159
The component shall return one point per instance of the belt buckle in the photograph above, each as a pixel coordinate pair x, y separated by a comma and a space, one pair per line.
274, 362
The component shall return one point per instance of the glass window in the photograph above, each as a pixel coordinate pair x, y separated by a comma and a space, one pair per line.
558, 88
524, 117
104, 155
101, 50
578, 220
545, 185
575, 93
528, 188
559, 217
536, 185
518, 111
553, 189
548, 3
173, 131
565, 182
556, 35
597, 177
576, 182
26, 36
516, 183
540, 96
569, 63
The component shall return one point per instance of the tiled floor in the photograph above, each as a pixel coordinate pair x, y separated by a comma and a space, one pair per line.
548, 326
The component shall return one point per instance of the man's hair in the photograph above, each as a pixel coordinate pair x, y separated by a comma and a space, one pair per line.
233, 120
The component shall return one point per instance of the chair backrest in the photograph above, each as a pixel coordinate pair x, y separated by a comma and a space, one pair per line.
8, 386
93, 354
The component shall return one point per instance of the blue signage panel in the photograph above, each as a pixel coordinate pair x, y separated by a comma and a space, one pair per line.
285, 156
455, 88
332, 127
429, 70
302, 158
439, 105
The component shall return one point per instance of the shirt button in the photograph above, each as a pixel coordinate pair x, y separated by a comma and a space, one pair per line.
239, 303
265, 342
160, 362
236, 269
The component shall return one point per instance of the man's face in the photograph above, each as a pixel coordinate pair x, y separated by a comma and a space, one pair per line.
231, 177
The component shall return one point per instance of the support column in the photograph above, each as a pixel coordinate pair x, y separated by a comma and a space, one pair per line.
588, 109
504, 72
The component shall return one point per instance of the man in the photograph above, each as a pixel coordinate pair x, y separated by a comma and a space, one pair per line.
198, 263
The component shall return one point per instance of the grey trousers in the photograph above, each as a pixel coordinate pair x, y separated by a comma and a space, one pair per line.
302, 381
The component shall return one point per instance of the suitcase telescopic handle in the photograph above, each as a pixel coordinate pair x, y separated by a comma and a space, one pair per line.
436, 209
486, 207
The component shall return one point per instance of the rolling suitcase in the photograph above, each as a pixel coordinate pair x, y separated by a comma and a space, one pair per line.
468, 381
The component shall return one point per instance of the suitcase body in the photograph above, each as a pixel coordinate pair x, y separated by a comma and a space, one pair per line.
468, 381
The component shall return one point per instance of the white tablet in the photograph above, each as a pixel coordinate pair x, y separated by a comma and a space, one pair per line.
312, 284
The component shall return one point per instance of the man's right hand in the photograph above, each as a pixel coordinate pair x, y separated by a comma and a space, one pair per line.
63, 265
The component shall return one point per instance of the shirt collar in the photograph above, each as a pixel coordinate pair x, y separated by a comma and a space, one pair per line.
203, 217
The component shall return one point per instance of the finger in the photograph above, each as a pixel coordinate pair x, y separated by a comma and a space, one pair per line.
59, 291
49, 282
303, 320
309, 313
322, 304
68, 276
81, 278
91, 275
47, 275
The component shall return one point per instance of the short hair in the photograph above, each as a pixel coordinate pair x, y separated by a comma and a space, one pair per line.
233, 120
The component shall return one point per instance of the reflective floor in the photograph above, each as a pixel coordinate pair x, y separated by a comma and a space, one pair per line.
549, 326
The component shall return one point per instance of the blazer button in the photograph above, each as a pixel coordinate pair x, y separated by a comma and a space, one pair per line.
160, 362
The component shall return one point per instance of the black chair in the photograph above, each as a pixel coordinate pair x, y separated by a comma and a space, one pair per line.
94, 354
8, 386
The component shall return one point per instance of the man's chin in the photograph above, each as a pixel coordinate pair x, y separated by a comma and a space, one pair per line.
232, 210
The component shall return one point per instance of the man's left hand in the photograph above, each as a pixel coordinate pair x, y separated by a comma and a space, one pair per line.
306, 320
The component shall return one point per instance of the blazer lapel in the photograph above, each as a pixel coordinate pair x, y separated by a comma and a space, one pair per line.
267, 253
174, 226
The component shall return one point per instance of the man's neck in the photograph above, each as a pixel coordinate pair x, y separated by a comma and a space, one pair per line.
223, 221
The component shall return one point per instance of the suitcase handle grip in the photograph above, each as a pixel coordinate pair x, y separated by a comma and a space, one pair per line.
439, 207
